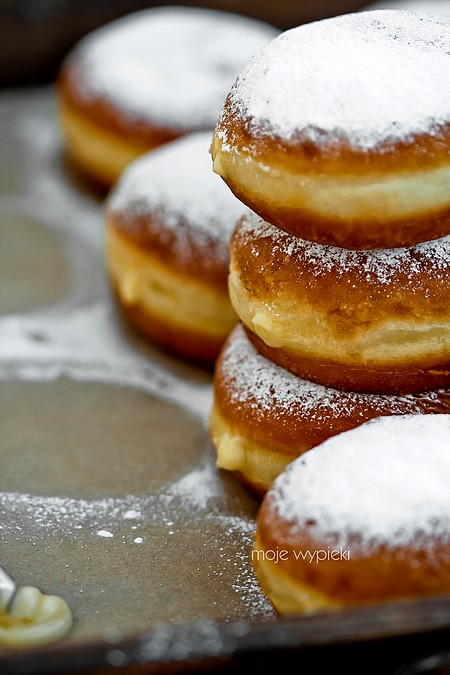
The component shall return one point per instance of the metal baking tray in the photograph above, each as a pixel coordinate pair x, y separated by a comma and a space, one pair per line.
109, 494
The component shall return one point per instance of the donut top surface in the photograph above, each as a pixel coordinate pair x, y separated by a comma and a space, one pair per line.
171, 66
368, 80
175, 187
379, 268
441, 7
255, 381
384, 482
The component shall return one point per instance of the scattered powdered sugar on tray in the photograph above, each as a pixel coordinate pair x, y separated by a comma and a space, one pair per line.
87, 346
245, 583
254, 382
38, 513
387, 481
200, 486
176, 186
367, 78
170, 66
147, 520
378, 266
199, 491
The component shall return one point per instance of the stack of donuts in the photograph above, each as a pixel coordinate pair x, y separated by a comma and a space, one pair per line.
337, 136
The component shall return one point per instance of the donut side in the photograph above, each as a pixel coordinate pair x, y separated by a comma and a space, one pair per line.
101, 139
177, 306
168, 224
353, 200
369, 321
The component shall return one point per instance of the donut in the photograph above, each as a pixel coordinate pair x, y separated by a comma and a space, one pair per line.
168, 223
362, 518
263, 417
148, 78
338, 131
374, 321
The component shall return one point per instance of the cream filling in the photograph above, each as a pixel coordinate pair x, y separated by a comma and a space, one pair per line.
235, 452
376, 196
287, 595
143, 280
309, 333
97, 149
34, 619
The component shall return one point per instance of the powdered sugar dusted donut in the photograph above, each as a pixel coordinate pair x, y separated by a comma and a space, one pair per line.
264, 417
148, 78
169, 219
338, 131
364, 517
374, 321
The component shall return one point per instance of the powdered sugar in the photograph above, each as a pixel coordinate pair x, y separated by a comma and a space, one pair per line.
385, 481
201, 486
368, 79
254, 381
378, 266
171, 66
176, 185
440, 7
170, 514
105, 517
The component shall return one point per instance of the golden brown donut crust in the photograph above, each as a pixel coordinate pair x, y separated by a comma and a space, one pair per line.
148, 232
388, 573
350, 301
264, 267
168, 223
155, 303
340, 161
420, 151
409, 378
108, 116
193, 346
